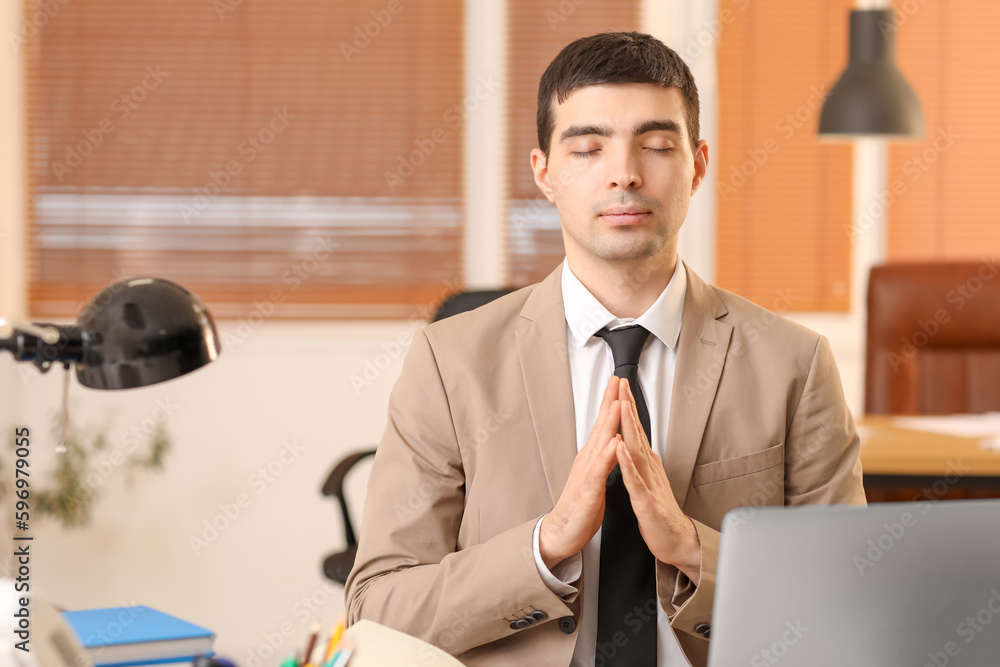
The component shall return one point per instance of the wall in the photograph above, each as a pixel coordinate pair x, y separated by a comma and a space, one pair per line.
281, 401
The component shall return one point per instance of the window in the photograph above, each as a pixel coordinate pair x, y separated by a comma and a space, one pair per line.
784, 198
305, 153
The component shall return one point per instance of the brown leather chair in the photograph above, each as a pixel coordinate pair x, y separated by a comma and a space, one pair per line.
933, 338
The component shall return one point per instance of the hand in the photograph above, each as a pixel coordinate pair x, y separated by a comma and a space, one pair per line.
667, 531
579, 512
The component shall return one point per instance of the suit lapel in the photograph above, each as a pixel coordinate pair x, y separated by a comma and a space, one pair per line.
701, 356
544, 357
542, 349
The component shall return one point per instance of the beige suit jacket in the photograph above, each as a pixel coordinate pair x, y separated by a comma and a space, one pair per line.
481, 437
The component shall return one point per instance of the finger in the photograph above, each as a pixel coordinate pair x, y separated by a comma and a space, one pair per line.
610, 395
632, 428
601, 463
630, 472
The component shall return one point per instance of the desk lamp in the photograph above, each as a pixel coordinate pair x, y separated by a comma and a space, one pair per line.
132, 334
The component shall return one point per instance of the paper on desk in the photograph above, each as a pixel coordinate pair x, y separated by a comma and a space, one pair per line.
378, 646
985, 426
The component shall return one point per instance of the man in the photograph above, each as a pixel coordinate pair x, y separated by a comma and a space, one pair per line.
512, 453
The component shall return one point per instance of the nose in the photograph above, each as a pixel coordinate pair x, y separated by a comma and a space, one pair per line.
624, 171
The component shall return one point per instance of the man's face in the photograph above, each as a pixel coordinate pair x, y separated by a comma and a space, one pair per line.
620, 170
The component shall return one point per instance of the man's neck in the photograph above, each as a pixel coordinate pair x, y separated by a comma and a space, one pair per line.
626, 289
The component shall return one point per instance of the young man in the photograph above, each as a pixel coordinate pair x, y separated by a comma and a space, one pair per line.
527, 506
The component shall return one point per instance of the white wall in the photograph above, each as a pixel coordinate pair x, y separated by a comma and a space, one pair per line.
285, 383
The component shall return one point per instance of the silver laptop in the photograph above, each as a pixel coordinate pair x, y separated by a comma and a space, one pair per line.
891, 584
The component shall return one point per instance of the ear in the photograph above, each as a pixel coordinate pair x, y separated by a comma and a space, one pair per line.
540, 168
700, 165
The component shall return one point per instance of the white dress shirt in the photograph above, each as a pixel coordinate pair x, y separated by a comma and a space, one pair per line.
591, 364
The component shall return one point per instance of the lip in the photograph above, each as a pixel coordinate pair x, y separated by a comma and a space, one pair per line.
625, 215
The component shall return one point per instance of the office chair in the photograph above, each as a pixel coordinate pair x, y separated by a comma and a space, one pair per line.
338, 565
933, 338
933, 348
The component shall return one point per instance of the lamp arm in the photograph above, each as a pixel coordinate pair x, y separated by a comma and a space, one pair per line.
48, 333
43, 343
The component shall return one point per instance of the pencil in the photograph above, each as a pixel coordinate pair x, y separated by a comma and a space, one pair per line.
313, 636
338, 630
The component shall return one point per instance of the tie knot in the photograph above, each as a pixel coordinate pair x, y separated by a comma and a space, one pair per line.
626, 343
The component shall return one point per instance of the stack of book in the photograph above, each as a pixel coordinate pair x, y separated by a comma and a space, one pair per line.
128, 636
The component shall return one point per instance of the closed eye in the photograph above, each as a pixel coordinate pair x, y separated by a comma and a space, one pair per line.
585, 153
660, 150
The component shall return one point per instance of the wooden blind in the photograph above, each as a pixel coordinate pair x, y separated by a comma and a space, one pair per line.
302, 153
784, 198
944, 197
538, 31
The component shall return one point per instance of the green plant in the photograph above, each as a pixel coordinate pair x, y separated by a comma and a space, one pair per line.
68, 491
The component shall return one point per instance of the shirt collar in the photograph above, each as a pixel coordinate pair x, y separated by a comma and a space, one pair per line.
585, 315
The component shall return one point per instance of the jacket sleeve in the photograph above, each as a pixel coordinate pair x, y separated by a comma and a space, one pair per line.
409, 573
822, 466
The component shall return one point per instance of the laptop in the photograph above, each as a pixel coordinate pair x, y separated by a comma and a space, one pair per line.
891, 584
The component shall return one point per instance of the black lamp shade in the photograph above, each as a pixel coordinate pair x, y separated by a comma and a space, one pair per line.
143, 331
872, 97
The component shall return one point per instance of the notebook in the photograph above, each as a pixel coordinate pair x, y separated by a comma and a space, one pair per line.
139, 635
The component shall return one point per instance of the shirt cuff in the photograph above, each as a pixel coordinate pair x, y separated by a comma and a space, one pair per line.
560, 578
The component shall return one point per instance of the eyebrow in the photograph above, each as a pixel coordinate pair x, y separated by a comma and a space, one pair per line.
606, 131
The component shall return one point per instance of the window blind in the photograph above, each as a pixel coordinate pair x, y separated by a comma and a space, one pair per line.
538, 31
784, 198
942, 195
300, 155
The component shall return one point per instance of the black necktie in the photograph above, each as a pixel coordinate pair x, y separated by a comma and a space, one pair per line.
626, 599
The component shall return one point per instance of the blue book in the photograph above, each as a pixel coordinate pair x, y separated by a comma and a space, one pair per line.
119, 636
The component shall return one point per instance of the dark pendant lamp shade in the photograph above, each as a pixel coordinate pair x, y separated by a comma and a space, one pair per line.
871, 97
143, 331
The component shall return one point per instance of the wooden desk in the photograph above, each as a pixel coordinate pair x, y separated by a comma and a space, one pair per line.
929, 465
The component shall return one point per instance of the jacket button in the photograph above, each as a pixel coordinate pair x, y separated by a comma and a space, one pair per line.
567, 624
703, 629
513, 625
521, 624
539, 615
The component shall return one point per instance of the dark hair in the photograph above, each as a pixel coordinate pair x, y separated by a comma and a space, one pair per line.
614, 57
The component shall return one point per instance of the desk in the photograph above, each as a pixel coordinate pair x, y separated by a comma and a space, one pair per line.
900, 464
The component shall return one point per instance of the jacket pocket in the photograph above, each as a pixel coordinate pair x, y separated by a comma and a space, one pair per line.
719, 471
